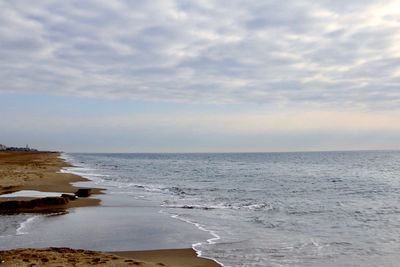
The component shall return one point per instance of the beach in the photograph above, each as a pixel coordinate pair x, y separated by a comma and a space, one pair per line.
40, 171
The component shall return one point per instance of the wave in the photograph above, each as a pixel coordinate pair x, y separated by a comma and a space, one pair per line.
82, 171
231, 206
176, 191
187, 196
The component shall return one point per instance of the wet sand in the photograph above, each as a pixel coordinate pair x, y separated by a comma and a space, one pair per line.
40, 171
170, 257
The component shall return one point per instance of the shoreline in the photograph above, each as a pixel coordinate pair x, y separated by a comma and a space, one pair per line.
41, 171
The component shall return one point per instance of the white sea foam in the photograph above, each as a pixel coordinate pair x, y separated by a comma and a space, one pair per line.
209, 241
65, 157
83, 172
86, 173
151, 188
25, 226
252, 207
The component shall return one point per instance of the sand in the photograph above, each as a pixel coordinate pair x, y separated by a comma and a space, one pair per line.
35, 171
170, 257
80, 257
40, 171
65, 257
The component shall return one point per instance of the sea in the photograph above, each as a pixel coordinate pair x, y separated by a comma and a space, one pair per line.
240, 209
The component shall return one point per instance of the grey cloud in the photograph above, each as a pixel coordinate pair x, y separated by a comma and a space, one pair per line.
275, 14
346, 6
200, 51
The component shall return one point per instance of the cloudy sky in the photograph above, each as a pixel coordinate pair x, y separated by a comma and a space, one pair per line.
200, 75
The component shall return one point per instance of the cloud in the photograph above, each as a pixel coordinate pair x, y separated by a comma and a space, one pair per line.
332, 53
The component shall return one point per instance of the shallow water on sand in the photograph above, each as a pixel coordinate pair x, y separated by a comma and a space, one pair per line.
121, 223
31, 193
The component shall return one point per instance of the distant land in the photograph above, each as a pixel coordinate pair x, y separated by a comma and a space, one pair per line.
26, 148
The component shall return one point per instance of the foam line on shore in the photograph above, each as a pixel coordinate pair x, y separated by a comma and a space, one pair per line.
79, 169
22, 229
210, 241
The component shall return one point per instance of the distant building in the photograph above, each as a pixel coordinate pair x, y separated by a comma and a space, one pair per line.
27, 148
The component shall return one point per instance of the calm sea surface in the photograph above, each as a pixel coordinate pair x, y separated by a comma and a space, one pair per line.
268, 209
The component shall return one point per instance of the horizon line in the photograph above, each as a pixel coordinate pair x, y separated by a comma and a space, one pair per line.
242, 152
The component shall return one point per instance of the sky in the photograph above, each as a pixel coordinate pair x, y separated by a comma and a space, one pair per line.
200, 75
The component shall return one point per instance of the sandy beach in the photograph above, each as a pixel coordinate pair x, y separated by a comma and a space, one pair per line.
40, 171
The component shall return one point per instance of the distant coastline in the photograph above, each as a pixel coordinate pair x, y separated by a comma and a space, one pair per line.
12, 148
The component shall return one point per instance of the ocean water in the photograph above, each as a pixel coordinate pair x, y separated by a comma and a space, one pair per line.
259, 209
